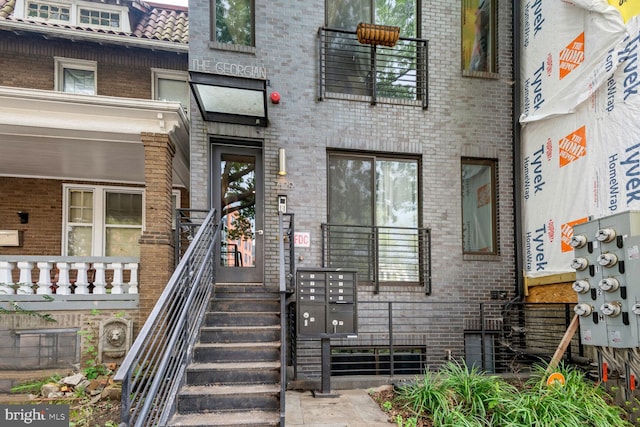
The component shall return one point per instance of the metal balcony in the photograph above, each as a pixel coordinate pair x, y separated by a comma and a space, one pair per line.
355, 71
389, 255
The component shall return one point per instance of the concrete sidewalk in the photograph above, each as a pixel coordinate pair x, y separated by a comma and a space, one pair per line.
349, 408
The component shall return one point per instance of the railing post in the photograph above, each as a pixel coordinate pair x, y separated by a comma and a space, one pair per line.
63, 279
482, 337
376, 261
374, 75
116, 284
81, 278
391, 349
6, 278
44, 280
25, 281
133, 278
99, 282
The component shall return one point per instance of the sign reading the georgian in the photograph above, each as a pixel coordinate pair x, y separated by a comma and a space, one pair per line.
229, 69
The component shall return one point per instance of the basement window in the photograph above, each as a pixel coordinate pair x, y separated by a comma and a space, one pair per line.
375, 360
48, 348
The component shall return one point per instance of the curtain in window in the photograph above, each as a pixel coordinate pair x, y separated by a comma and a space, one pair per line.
79, 81
477, 208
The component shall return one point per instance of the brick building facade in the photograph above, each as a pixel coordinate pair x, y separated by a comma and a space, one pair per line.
468, 118
93, 159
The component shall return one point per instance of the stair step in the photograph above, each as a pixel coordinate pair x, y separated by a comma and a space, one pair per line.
230, 334
242, 318
233, 373
236, 352
238, 398
227, 419
233, 305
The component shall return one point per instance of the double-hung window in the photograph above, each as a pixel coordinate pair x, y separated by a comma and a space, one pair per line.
479, 217
171, 85
233, 22
102, 221
75, 76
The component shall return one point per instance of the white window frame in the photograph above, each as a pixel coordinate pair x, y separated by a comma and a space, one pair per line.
98, 225
92, 8
164, 74
175, 202
47, 3
62, 64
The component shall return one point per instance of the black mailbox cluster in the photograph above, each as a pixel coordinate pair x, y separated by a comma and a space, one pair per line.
326, 303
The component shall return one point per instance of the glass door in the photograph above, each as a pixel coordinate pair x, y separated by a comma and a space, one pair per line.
238, 199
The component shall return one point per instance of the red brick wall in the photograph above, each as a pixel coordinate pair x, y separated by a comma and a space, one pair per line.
42, 199
124, 72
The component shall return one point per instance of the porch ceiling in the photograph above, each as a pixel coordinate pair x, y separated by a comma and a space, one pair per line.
46, 134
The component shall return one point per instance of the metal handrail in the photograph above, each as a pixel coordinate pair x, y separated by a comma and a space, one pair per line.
284, 287
153, 369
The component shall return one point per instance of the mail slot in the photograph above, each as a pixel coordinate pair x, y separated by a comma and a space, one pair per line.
326, 303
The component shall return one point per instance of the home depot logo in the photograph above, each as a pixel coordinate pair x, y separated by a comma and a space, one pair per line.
572, 56
573, 146
567, 234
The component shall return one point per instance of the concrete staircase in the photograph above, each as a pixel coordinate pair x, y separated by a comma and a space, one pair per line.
234, 378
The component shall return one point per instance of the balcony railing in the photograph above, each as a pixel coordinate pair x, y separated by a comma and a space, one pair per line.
380, 254
350, 70
72, 282
407, 337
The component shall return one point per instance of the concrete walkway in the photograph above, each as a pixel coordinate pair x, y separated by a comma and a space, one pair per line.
344, 408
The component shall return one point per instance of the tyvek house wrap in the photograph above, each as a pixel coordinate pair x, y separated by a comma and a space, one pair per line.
580, 74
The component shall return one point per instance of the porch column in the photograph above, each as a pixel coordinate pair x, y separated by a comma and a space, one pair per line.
156, 242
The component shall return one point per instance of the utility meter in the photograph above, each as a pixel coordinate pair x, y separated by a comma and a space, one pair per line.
579, 263
578, 241
608, 259
606, 235
581, 286
609, 284
611, 309
583, 309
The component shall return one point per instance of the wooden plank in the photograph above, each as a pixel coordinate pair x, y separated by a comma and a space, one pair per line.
564, 343
550, 280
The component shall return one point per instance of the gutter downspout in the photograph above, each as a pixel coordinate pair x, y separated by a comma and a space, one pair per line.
517, 167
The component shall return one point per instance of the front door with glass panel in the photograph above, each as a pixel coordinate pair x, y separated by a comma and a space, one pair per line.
238, 200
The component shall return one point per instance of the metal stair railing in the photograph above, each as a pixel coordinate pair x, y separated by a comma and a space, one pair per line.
153, 369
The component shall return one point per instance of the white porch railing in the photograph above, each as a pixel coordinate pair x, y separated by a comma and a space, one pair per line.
46, 275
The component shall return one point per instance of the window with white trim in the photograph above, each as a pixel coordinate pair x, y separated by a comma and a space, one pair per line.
102, 221
99, 18
170, 85
48, 11
76, 76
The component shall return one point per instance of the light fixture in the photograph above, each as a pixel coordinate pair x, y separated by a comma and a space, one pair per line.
230, 99
24, 217
282, 162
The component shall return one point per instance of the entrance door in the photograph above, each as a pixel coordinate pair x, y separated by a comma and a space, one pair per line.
238, 198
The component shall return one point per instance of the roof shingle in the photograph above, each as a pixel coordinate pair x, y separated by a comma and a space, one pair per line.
156, 22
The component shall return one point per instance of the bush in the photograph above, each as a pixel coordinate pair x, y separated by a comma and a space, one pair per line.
461, 396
